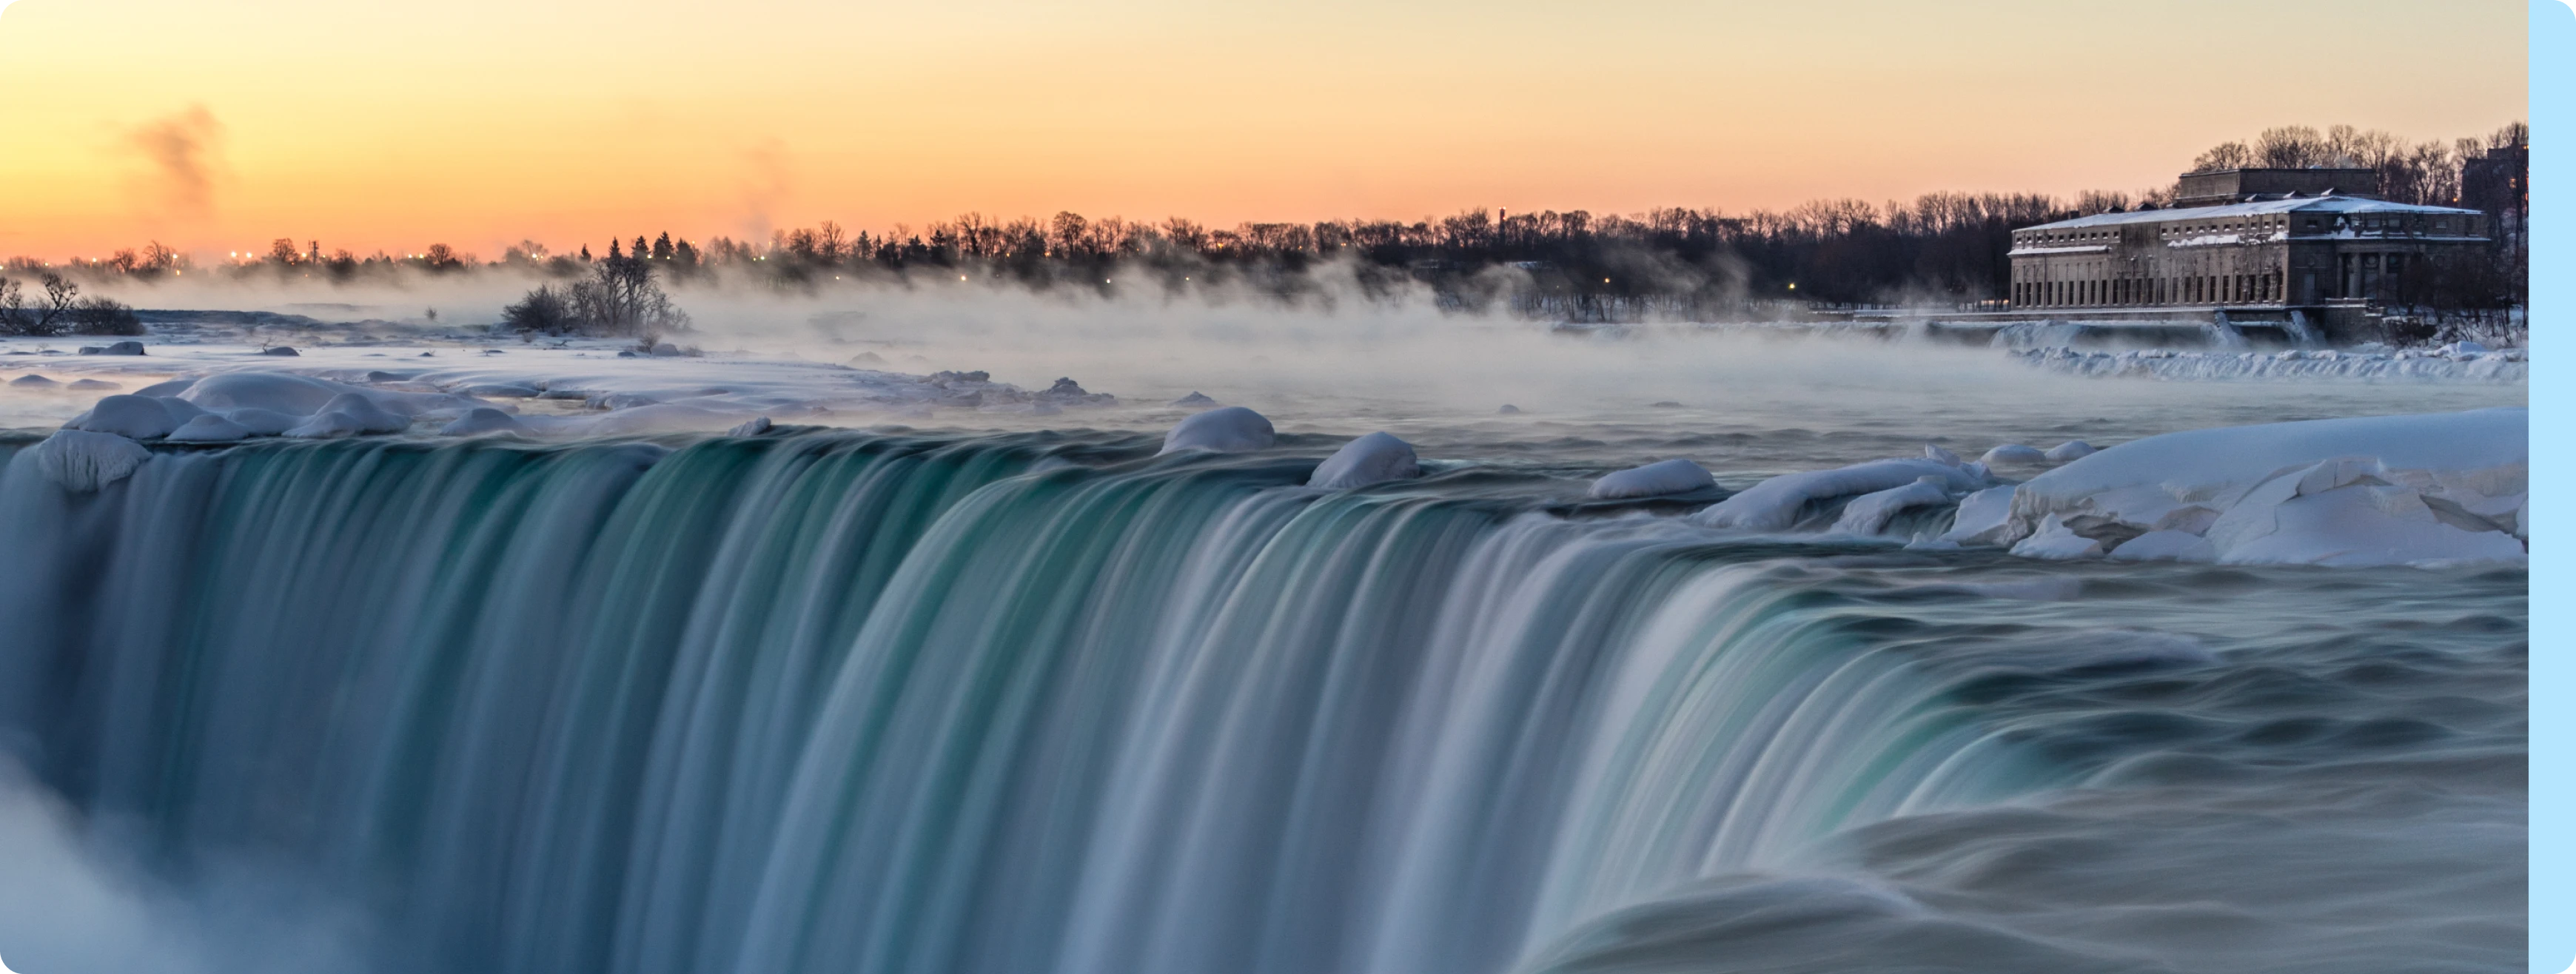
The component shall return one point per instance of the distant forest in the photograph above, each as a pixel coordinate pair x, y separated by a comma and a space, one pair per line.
1941, 249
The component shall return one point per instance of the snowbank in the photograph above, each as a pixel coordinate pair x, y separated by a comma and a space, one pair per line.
2392, 490
132, 417
209, 428
1773, 504
483, 420
1228, 429
83, 461
1675, 476
1372, 459
1869, 513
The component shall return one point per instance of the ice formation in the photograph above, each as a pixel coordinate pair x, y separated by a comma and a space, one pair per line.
1774, 504
1675, 476
1984, 518
83, 461
2014, 453
752, 427
1869, 513
2387, 490
2166, 545
132, 417
481, 420
2068, 451
1372, 459
209, 428
1229, 429
2054, 541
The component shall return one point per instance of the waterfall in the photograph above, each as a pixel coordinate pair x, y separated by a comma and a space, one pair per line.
833, 701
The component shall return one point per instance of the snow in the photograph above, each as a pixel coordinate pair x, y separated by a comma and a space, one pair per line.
751, 427
2069, 450
83, 461
209, 428
2054, 541
1229, 429
132, 417
1774, 504
1372, 459
1933, 451
366, 413
1869, 513
1984, 518
1674, 476
481, 420
327, 426
263, 422
2388, 490
2014, 453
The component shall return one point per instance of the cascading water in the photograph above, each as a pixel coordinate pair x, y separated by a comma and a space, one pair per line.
838, 702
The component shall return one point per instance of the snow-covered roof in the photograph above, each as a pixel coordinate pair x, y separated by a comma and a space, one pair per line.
2301, 204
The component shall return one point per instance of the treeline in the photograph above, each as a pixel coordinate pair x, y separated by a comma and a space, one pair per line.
1941, 247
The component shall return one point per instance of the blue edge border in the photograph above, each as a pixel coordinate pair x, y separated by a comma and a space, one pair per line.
2553, 728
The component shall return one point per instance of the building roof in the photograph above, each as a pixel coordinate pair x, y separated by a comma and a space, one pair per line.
2296, 204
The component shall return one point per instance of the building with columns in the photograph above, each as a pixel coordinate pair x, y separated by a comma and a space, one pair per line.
2241, 239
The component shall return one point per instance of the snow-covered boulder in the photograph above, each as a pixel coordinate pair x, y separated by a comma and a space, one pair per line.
1674, 476
1984, 518
481, 420
2068, 451
32, 381
1372, 459
327, 425
751, 427
132, 417
1774, 504
83, 461
294, 395
2014, 453
1869, 513
281, 351
209, 428
370, 417
263, 422
2054, 541
1195, 400
1228, 429
93, 385
2384, 490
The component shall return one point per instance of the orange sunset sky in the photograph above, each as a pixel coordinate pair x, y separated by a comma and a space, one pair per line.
215, 126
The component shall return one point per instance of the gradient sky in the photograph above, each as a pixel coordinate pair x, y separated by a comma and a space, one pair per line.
216, 126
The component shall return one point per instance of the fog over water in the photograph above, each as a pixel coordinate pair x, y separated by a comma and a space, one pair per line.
964, 689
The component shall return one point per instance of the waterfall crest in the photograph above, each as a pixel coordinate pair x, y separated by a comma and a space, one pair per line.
833, 701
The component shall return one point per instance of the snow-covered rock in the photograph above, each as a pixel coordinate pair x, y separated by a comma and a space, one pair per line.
751, 427
2386, 490
132, 417
2014, 453
281, 351
1372, 459
84, 461
327, 425
1674, 476
1195, 400
2054, 541
263, 422
481, 420
1869, 513
1984, 518
2069, 451
1774, 504
370, 417
32, 381
1228, 429
93, 385
209, 428
294, 395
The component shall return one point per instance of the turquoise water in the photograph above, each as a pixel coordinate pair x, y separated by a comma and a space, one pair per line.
1041, 702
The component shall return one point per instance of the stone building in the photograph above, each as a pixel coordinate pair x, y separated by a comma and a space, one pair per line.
2240, 239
